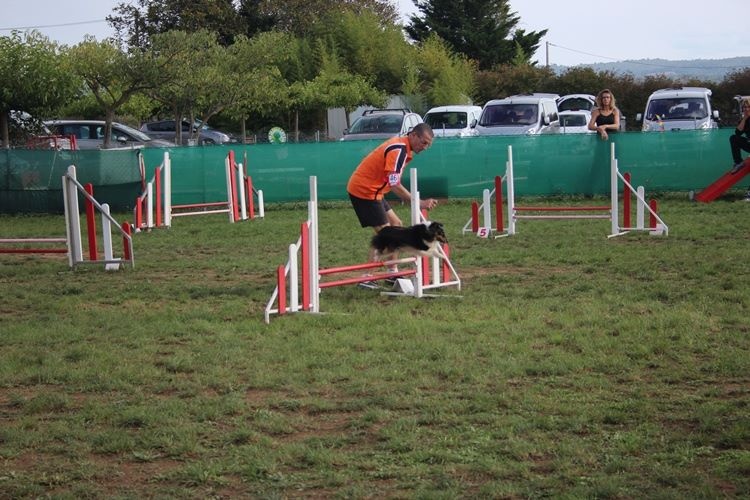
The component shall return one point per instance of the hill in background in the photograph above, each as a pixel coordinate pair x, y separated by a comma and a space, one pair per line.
705, 69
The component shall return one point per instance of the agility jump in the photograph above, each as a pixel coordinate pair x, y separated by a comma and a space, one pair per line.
607, 212
156, 198
72, 240
425, 275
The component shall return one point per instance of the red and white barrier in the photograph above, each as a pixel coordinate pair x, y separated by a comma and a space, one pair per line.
314, 278
73, 243
518, 212
156, 198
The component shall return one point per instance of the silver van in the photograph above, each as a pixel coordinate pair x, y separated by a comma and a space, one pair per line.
680, 108
526, 114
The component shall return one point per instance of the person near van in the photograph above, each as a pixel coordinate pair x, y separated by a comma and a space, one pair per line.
379, 173
740, 140
605, 117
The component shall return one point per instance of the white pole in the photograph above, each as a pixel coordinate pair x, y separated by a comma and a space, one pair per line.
241, 189
107, 240
511, 192
640, 207
150, 205
615, 216
313, 244
167, 190
261, 209
74, 234
415, 219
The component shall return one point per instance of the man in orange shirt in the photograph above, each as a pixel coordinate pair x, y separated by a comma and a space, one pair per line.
380, 172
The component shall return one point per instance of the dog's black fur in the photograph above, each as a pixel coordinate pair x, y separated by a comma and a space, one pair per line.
420, 239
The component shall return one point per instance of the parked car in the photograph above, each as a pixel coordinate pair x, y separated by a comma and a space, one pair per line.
89, 134
575, 122
382, 124
576, 102
453, 121
681, 108
166, 129
528, 114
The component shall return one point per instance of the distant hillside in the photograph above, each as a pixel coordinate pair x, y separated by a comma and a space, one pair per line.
705, 69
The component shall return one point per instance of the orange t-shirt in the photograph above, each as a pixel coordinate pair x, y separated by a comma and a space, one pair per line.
380, 169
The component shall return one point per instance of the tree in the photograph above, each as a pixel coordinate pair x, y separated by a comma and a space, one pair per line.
446, 77
136, 25
112, 75
36, 78
483, 30
263, 87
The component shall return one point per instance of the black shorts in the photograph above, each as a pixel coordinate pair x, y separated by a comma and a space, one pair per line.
371, 213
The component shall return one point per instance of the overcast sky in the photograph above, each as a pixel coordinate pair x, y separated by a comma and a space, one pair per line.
580, 31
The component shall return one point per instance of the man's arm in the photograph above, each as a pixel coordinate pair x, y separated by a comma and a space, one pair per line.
405, 196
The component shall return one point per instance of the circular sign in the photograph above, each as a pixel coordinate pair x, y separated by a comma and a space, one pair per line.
276, 135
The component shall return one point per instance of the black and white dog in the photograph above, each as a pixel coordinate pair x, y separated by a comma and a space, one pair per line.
420, 239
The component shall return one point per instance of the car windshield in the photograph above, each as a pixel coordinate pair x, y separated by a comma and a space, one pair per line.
573, 120
510, 114
575, 104
678, 108
131, 131
446, 119
377, 124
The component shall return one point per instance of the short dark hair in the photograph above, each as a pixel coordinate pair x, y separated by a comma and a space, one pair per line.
423, 129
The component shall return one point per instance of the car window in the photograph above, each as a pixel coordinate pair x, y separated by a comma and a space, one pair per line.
573, 120
510, 114
447, 119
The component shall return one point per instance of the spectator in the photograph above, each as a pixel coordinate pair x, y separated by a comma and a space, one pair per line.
605, 117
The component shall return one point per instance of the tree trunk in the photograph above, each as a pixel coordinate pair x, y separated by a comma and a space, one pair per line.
109, 117
4, 135
243, 130
177, 127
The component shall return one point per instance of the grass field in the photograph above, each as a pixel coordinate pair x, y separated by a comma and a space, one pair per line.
571, 366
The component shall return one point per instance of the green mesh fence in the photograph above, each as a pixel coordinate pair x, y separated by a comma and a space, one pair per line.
452, 167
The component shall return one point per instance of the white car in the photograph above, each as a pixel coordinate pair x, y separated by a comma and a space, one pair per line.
526, 114
575, 122
454, 120
681, 108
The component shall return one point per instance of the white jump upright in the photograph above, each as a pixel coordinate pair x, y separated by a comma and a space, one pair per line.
73, 242
313, 276
608, 212
239, 205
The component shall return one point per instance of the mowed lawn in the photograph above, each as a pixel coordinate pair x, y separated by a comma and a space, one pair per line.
568, 365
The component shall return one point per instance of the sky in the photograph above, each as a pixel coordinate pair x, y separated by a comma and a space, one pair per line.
579, 31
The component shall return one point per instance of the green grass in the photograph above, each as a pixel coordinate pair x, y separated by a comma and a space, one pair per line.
571, 366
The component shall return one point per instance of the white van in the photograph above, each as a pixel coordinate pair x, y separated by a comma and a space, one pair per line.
681, 108
528, 114
453, 121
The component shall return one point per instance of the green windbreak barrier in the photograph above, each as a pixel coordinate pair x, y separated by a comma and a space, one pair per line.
31, 180
452, 167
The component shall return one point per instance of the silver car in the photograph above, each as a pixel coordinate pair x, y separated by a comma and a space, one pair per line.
166, 129
382, 124
89, 134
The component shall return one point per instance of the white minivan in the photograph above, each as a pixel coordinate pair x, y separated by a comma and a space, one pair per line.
526, 114
680, 108
453, 121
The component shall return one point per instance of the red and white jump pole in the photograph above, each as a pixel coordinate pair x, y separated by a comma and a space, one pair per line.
518, 212
73, 242
315, 278
239, 204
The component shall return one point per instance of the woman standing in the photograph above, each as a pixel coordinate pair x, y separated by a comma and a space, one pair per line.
605, 117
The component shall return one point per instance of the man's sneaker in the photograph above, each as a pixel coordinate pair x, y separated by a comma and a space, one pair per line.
370, 285
747, 195
737, 167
